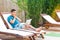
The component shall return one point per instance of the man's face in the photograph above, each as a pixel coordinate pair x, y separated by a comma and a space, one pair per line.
14, 13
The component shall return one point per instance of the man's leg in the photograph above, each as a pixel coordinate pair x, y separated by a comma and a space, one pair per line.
35, 29
27, 26
39, 29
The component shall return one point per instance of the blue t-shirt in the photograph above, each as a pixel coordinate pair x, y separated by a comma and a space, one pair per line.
15, 23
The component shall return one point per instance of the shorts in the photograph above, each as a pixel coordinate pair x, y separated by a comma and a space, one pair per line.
19, 26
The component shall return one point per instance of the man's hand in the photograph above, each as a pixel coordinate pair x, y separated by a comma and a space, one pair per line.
15, 16
12, 21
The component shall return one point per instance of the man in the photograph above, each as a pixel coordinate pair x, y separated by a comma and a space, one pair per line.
16, 22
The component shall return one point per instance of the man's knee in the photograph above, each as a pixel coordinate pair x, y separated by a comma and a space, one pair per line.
27, 26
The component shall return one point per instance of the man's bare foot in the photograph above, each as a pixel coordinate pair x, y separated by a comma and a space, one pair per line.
38, 29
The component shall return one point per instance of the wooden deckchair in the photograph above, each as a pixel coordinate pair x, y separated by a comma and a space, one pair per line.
6, 14
50, 21
19, 34
58, 14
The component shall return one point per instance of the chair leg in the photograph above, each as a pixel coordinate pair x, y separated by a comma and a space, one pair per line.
32, 38
42, 36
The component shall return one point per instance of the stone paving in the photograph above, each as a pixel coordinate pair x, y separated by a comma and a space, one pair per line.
50, 37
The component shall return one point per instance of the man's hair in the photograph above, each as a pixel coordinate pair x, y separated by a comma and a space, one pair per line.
12, 10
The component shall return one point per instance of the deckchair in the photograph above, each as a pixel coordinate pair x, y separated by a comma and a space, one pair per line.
19, 34
58, 14
51, 21
5, 15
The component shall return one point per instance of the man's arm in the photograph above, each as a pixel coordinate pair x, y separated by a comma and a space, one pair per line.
19, 19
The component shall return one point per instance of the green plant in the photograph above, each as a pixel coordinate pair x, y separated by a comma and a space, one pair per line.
49, 6
34, 10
